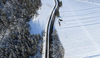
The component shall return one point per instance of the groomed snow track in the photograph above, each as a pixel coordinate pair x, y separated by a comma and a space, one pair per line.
48, 31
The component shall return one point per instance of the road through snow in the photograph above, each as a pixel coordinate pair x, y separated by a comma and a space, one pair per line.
39, 23
80, 29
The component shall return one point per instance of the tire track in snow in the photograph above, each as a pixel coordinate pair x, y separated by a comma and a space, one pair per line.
83, 9
45, 53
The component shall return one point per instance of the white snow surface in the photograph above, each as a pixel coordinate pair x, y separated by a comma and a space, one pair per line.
39, 22
80, 29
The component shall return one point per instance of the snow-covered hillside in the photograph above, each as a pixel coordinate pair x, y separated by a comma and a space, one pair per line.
38, 23
80, 29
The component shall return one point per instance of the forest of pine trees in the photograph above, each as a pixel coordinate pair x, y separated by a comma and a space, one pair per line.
15, 38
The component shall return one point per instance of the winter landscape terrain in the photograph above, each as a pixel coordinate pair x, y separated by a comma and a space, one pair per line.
24, 26
79, 32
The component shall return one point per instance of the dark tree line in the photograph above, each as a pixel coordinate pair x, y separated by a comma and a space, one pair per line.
15, 38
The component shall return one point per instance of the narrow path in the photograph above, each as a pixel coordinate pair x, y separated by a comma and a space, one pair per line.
48, 31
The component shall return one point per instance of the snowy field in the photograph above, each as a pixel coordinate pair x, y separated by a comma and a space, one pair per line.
38, 22
80, 29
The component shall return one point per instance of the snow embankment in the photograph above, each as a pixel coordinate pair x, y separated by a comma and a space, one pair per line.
38, 22
80, 29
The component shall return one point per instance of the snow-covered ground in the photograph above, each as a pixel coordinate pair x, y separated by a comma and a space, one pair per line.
80, 29
38, 23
